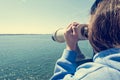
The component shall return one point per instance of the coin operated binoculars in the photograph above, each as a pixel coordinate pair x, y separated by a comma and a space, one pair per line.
58, 35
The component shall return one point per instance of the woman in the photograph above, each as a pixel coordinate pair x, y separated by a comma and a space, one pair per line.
104, 36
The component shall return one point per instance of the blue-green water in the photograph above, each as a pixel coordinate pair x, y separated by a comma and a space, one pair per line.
31, 57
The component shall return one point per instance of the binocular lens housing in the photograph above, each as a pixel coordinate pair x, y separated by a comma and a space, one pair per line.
58, 35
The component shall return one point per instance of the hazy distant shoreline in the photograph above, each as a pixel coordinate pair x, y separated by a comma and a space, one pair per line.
22, 34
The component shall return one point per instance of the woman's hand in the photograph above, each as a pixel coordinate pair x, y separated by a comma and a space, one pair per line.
71, 36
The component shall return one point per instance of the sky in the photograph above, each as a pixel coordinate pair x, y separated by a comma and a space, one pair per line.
41, 16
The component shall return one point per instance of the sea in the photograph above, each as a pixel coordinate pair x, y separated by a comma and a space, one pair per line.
32, 57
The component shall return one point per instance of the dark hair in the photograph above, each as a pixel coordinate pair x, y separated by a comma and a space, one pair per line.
94, 6
105, 25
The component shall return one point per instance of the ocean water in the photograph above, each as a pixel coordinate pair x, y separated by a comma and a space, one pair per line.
31, 57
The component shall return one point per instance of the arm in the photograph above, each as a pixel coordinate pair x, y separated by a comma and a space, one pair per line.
79, 56
65, 65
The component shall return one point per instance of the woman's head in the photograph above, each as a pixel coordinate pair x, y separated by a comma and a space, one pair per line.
104, 27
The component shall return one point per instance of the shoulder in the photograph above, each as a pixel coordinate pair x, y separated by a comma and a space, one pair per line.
92, 71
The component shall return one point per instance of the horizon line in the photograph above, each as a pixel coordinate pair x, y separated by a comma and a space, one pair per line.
24, 34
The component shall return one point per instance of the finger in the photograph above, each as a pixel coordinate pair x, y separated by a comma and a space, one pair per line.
69, 28
75, 30
71, 25
75, 24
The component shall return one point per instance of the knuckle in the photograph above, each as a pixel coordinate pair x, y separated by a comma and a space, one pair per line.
67, 31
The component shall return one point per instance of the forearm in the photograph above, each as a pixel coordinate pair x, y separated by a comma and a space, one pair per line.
65, 65
80, 55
